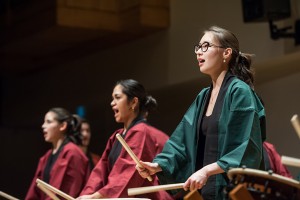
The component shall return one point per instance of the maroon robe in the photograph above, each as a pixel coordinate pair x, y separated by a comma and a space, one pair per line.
146, 142
275, 161
68, 174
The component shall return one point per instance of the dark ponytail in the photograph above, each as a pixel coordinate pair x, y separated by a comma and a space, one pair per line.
242, 68
74, 130
150, 104
73, 124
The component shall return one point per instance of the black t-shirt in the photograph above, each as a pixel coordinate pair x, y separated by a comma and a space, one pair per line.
50, 162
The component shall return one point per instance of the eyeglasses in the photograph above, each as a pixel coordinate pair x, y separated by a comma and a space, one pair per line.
204, 46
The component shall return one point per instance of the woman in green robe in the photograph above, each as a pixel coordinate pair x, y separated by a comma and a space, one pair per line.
223, 128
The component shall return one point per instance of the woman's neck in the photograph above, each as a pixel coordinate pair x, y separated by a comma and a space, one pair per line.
128, 122
57, 144
217, 81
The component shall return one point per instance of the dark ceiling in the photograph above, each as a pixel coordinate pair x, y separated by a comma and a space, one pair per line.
36, 35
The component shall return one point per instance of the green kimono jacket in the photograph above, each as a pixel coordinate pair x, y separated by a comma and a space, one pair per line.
241, 131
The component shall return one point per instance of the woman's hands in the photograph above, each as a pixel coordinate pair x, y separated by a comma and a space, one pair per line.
196, 180
148, 169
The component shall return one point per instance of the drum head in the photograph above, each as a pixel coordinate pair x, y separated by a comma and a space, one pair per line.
264, 184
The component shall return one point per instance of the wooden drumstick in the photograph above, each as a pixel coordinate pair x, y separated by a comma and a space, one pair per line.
130, 152
156, 188
296, 124
7, 196
295, 162
48, 192
53, 189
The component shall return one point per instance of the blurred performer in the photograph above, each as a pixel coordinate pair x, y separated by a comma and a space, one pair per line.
86, 138
65, 166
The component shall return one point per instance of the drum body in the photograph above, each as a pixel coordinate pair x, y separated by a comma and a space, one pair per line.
263, 185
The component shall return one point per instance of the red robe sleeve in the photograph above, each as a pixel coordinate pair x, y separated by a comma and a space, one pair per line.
275, 161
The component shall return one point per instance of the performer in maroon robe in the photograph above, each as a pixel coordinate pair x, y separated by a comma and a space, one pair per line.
273, 161
116, 172
65, 166
86, 135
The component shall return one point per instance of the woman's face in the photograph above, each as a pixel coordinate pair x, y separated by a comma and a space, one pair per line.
211, 61
120, 105
86, 134
52, 129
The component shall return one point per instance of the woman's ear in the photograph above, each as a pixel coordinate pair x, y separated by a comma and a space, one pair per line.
63, 126
134, 103
227, 53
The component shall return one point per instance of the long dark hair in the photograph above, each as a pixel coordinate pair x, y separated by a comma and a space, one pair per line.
73, 123
132, 88
240, 63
